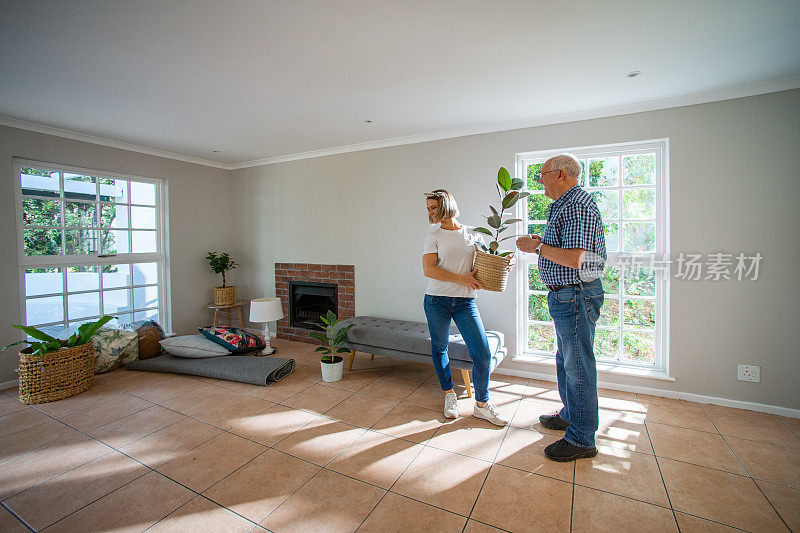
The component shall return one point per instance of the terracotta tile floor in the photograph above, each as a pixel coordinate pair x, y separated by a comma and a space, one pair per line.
162, 452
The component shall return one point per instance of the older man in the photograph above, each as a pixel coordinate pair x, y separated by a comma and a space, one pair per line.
572, 253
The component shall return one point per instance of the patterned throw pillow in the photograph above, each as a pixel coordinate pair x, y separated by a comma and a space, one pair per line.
234, 339
113, 348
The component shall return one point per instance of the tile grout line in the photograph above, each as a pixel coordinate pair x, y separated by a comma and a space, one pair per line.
660, 473
748, 472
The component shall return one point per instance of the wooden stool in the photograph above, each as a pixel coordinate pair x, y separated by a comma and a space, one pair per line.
229, 308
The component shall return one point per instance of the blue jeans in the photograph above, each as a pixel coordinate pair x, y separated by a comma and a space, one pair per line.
575, 311
440, 310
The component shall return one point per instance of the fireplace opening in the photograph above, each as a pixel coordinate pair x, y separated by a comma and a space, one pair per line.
309, 300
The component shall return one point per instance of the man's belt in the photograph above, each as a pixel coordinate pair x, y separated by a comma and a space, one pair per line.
555, 288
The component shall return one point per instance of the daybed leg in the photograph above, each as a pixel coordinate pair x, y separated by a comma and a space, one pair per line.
371, 357
467, 381
350, 362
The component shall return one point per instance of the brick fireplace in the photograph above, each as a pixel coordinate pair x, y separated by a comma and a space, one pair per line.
343, 276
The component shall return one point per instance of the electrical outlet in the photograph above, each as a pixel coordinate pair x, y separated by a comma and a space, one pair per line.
749, 373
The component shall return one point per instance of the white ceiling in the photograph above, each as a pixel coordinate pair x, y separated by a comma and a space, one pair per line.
262, 80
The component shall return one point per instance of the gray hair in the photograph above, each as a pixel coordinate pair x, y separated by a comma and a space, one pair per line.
568, 163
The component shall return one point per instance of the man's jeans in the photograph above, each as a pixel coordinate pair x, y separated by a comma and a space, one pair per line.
440, 310
575, 311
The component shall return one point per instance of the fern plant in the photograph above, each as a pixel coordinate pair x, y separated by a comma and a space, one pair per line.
508, 189
46, 343
334, 341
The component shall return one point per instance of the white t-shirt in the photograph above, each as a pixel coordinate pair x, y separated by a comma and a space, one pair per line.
456, 251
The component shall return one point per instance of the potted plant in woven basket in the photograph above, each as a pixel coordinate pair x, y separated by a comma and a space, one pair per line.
492, 263
51, 369
226, 294
330, 363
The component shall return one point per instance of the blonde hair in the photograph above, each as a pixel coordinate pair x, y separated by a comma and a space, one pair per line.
447, 206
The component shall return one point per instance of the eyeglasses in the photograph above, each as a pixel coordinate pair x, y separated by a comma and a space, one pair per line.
546, 171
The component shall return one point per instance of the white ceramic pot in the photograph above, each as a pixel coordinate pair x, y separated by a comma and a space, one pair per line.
332, 371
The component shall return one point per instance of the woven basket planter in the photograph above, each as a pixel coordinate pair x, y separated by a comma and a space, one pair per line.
492, 270
224, 295
56, 375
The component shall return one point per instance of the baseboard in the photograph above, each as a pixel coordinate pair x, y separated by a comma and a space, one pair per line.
699, 398
9, 384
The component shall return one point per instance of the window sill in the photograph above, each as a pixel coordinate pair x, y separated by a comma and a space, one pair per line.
608, 368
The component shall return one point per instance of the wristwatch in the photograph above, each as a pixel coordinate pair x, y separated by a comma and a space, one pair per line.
538, 250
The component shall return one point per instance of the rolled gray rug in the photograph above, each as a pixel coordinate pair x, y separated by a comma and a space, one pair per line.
246, 369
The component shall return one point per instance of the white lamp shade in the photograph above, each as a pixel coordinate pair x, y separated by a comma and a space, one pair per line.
265, 310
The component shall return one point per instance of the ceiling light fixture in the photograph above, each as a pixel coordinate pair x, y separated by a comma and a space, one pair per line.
634, 73
367, 122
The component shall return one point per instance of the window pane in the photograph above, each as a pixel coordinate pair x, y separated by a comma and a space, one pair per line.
116, 301
537, 308
639, 169
534, 280
639, 347
80, 214
144, 297
640, 313
83, 278
604, 172
43, 281
116, 276
40, 182
639, 236
115, 241
83, 305
144, 242
611, 231
44, 310
81, 242
538, 206
122, 319
536, 229
609, 313
114, 216
639, 203
143, 193
114, 191
640, 281
542, 338
150, 314
606, 344
608, 204
143, 217
41, 212
80, 187
611, 280
42, 241
534, 173
145, 273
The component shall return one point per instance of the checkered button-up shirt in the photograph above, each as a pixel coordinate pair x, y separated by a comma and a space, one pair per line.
574, 222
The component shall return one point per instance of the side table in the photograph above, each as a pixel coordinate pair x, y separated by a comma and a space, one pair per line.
229, 308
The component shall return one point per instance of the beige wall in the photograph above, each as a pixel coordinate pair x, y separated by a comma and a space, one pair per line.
199, 219
733, 187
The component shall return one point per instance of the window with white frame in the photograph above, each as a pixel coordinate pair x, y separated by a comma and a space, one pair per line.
629, 184
90, 244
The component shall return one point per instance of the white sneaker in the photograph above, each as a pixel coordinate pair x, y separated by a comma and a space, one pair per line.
491, 413
450, 405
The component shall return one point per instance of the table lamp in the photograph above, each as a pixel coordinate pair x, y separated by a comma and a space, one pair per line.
266, 310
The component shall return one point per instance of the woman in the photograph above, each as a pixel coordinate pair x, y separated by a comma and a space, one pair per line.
447, 261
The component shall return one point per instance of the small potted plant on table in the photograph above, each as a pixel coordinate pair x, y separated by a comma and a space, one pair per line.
330, 363
491, 263
226, 294
51, 369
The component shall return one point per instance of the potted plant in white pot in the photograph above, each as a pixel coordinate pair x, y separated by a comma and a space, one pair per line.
51, 369
492, 263
226, 294
330, 363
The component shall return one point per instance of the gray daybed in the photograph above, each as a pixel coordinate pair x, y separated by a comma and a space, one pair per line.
412, 341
